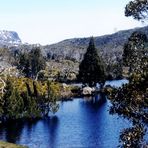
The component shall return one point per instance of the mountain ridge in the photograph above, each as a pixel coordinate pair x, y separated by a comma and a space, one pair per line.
72, 51
74, 48
100, 36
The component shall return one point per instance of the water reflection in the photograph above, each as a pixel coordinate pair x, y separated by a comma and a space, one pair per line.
96, 100
29, 127
13, 131
51, 127
79, 123
23, 131
92, 123
99, 127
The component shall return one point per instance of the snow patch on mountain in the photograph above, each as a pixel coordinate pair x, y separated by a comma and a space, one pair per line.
9, 37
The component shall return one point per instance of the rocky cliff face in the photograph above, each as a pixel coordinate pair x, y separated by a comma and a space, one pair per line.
9, 37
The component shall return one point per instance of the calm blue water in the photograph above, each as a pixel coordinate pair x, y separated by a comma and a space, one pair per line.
78, 123
116, 83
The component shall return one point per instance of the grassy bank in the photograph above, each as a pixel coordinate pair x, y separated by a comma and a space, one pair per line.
10, 145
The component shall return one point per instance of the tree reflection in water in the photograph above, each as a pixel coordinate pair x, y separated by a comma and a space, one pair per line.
51, 127
13, 131
97, 99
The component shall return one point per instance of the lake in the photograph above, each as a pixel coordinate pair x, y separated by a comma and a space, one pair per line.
78, 123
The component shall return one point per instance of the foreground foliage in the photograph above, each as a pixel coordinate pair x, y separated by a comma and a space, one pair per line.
25, 98
137, 9
131, 101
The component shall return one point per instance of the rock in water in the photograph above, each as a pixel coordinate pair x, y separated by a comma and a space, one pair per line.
87, 90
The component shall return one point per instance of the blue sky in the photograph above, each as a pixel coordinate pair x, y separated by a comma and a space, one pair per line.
50, 21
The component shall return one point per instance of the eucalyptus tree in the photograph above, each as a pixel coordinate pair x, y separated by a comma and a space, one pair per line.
131, 101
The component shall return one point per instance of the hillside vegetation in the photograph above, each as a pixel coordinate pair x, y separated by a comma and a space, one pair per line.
74, 49
69, 53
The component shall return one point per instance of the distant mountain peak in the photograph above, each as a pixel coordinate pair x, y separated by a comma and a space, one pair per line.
9, 37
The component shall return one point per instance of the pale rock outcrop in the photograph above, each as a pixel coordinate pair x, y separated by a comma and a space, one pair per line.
87, 90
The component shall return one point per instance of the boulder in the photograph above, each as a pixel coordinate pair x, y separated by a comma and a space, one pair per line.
87, 90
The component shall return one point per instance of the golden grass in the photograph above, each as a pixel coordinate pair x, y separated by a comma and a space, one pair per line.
10, 145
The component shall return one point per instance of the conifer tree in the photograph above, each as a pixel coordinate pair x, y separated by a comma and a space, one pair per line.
91, 69
24, 64
13, 102
37, 61
31, 63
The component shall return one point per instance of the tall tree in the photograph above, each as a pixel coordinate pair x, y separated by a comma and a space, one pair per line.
91, 69
24, 64
131, 101
13, 102
37, 61
51, 102
31, 63
32, 104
